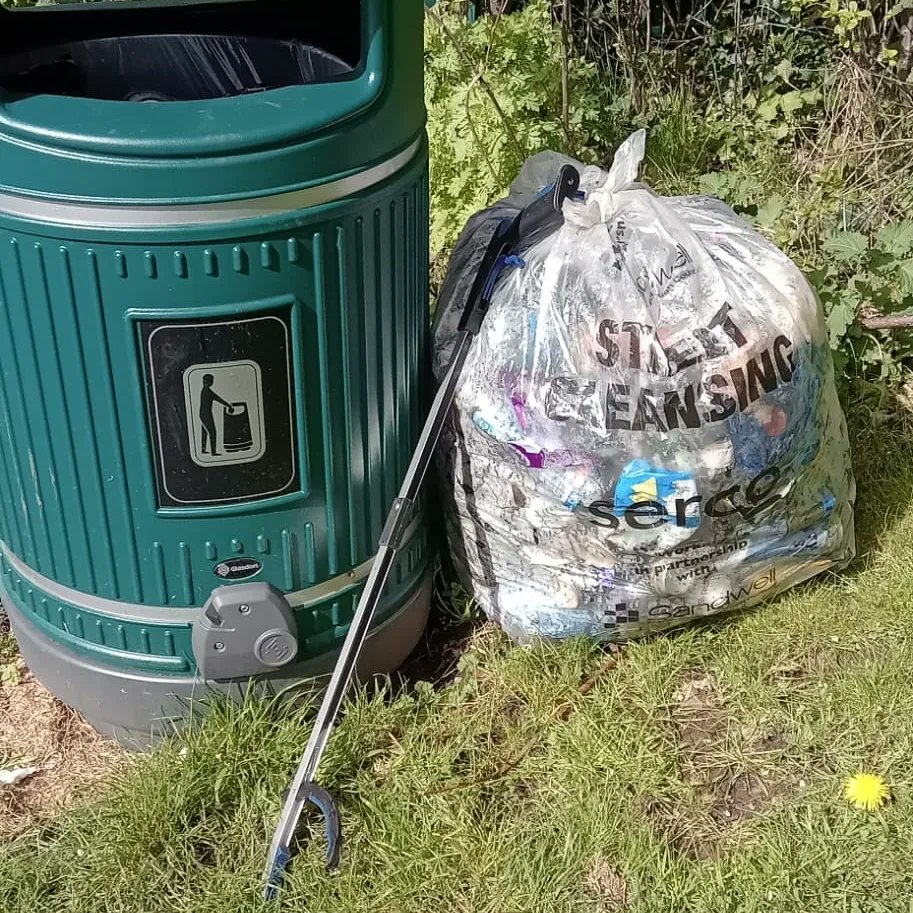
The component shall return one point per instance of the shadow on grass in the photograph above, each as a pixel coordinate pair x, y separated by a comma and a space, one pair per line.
883, 465
453, 620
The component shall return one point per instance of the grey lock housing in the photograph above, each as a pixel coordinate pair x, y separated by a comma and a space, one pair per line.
244, 630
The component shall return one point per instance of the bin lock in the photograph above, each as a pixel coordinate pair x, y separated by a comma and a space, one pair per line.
244, 630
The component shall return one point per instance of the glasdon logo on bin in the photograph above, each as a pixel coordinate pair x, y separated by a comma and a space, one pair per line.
238, 568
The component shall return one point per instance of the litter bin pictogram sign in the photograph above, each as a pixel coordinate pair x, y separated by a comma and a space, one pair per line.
221, 405
225, 404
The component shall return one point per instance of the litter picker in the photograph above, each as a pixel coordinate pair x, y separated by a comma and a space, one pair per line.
539, 219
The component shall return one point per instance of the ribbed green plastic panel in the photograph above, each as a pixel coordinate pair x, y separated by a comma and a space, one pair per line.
79, 442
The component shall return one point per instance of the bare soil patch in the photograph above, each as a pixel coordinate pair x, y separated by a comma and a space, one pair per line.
731, 772
606, 887
37, 730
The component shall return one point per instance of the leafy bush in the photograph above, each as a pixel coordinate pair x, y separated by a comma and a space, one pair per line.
495, 92
790, 112
861, 277
878, 32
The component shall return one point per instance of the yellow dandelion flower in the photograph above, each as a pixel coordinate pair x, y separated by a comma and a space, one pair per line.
866, 791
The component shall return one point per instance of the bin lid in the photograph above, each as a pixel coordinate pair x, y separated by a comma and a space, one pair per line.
302, 113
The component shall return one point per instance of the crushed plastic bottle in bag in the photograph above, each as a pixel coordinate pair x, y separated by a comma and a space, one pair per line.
647, 430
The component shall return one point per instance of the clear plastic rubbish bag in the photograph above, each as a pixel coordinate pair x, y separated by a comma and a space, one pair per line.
647, 429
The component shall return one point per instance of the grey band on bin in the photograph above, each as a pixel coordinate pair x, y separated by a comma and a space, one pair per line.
55, 211
177, 614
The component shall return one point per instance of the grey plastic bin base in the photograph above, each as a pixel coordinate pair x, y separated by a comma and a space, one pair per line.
137, 710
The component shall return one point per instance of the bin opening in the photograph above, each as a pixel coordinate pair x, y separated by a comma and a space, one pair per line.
215, 50
168, 67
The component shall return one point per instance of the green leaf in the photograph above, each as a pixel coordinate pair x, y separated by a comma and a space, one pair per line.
790, 102
771, 210
897, 238
767, 109
784, 69
781, 131
821, 278
839, 320
715, 184
905, 275
846, 246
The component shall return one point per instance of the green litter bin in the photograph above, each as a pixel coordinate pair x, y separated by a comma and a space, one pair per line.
213, 333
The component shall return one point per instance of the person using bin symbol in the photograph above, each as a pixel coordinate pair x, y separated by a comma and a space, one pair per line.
208, 397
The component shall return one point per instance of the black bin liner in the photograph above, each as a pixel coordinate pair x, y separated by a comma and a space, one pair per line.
168, 67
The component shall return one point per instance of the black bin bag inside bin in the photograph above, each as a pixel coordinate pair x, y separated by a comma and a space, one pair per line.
168, 67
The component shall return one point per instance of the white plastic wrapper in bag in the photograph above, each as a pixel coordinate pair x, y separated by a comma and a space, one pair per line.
647, 429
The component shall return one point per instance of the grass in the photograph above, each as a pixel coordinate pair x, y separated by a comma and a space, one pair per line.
703, 773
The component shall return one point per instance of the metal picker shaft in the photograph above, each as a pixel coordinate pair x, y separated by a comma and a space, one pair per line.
299, 794
541, 216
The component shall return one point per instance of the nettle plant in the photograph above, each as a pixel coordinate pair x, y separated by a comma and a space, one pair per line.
863, 278
499, 90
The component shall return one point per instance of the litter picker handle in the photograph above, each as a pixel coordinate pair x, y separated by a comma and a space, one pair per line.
544, 214
538, 220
